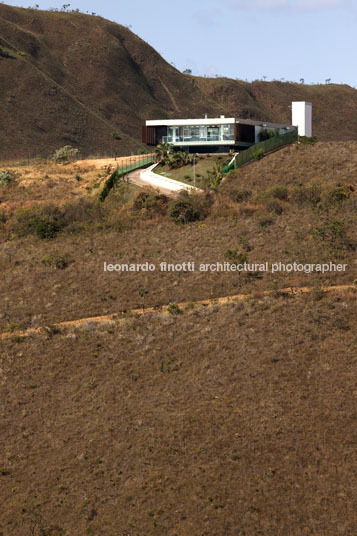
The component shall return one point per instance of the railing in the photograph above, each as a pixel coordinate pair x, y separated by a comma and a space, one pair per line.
260, 149
133, 163
196, 139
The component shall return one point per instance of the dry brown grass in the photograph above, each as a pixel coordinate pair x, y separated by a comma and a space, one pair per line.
225, 419
166, 425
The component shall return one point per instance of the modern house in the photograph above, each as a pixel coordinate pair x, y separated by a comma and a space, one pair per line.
221, 134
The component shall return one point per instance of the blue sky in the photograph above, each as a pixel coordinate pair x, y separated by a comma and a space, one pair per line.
246, 39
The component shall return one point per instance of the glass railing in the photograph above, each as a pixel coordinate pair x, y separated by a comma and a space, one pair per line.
195, 139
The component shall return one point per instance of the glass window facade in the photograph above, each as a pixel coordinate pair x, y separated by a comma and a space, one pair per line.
199, 133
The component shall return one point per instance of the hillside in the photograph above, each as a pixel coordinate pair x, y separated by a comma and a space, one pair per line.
77, 79
215, 417
334, 106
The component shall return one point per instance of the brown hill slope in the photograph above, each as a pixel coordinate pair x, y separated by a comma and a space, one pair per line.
81, 79
334, 106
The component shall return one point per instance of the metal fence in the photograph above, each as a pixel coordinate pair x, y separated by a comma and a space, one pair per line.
35, 158
133, 163
258, 150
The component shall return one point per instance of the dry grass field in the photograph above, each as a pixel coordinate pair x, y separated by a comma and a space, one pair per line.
217, 420
220, 421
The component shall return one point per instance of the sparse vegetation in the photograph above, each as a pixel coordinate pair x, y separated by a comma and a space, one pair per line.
5, 52
65, 154
55, 260
150, 378
150, 202
6, 177
189, 208
174, 309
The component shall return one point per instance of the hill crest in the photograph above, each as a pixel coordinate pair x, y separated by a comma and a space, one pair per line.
82, 80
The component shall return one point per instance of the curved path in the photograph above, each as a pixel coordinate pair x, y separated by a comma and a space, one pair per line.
105, 319
147, 177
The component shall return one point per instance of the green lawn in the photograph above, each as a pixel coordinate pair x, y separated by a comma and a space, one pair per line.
185, 174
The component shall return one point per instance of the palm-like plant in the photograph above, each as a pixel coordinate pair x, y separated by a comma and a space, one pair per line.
162, 151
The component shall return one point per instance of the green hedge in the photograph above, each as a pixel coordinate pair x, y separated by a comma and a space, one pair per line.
121, 171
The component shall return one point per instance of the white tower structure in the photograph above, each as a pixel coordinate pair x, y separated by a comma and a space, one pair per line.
302, 117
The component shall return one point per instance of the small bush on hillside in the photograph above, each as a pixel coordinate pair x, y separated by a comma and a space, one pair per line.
278, 192
44, 222
275, 207
65, 154
307, 194
174, 309
265, 221
5, 52
188, 208
305, 140
150, 202
6, 177
235, 257
335, 195
80, 214
330, 232
241, 195
55, 261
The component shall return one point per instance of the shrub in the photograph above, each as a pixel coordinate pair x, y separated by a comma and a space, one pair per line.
265, 134
151, 202
109, 184
279, 192
188, 208
4, 471
214, 177
235, 257
330, 231
65, 154
305, 140
178, 159
241, 195
307, 194
5, 52
275, 206
258, 154
174, 309
336, 195
6, 177
55, 261
265, 221
45, 222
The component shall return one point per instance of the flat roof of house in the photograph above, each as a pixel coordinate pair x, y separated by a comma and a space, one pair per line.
211, 121
190, 122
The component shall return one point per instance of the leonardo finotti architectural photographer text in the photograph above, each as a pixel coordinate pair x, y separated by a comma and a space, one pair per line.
226, 267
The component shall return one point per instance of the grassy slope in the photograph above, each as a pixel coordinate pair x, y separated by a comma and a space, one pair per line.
186, 173
271, 101
84, 78
116, 233
222, 421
